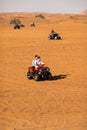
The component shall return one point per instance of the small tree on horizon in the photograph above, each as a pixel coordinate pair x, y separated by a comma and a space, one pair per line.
40, 16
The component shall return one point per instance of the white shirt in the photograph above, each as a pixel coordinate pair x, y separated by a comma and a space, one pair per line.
38, 63
34, 62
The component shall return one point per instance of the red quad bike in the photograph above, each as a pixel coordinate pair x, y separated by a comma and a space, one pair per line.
42, 73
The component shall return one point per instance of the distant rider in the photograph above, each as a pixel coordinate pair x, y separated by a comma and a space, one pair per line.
52, 33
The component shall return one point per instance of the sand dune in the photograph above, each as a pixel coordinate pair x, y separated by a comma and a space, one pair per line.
60, 104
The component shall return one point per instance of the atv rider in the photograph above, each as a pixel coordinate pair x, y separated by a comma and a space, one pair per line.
33, 24
34, 62
52, 33
39, 63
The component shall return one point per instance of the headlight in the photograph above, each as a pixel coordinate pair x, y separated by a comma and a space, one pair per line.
40, 71
48, 69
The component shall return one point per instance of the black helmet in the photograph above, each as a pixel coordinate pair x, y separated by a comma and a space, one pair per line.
36, 56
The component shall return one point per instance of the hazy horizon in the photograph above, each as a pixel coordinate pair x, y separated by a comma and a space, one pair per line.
48, 6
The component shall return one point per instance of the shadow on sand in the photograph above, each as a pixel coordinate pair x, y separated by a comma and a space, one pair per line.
59, 77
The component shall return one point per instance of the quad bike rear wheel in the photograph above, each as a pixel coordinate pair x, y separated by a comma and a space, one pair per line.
49, 76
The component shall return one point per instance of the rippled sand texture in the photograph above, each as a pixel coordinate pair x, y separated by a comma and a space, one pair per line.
60, 104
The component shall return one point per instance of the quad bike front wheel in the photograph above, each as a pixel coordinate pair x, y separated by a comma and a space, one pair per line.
29, 76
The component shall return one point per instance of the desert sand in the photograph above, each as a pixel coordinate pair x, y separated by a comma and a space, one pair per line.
59, 104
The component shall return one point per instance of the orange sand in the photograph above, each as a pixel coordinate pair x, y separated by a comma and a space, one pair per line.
60, 104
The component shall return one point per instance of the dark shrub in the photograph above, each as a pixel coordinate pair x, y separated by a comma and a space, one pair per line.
40, 16
15, 21
22, 25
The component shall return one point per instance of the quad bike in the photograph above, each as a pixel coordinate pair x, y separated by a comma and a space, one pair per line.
54, 36
42, 73
32, 25
16, 26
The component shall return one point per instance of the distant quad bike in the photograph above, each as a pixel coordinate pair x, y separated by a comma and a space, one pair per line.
16, 26
32, 24
54, 36
43, 73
